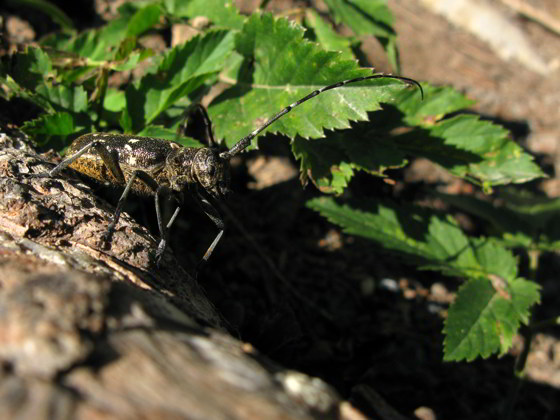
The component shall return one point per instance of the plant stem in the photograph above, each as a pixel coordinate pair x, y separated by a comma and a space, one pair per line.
541, 325
519, 374
263, 4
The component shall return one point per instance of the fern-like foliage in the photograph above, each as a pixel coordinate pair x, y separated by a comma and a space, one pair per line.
492, 303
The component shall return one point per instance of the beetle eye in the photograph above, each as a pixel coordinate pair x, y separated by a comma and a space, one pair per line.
210, 166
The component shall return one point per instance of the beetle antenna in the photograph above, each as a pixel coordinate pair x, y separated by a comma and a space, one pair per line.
246, 141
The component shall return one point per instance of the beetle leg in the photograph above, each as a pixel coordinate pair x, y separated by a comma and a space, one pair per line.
108, 159
197, 125
159, 190
162, 190
112, 163
215, 216
147, 179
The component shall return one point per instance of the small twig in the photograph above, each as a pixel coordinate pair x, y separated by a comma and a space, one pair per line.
377, 403
296, 11
538, 15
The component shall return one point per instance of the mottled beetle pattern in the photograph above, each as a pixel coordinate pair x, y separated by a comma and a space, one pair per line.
166, 162
160, 168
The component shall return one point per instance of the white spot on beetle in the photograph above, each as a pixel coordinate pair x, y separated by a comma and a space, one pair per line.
132, 141
128, 147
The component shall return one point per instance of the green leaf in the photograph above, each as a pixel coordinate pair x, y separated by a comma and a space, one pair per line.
476, 150
489, 307
183, 69
47, 126
522, 219
222, 13
438, 101
392, 50
422, 237
485, 317
144, 19
10, 89
56, 14
126, 47
472, 149
382, 223
331, 162
284, 67
537, 210
323, 163
125, 121
368, 17
114, 100
327, 37
31, 68
363, 17
95, 44
71, 99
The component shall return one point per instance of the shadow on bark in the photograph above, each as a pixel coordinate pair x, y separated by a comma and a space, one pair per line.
95, 331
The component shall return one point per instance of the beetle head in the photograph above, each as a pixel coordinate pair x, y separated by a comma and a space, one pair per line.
204, 167
211, 172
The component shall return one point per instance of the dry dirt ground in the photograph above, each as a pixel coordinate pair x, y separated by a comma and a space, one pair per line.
333, 306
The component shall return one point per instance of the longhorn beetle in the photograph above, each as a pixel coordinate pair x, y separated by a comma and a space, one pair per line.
160, 168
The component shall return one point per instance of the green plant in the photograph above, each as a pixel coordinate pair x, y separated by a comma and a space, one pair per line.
267, 63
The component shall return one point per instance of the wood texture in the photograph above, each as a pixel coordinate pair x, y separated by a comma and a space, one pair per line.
91, 331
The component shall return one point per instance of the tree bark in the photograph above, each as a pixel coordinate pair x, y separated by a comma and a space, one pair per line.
96, 331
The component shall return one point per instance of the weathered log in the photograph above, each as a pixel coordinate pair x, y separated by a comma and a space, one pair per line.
96, 331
